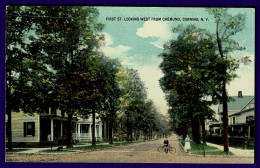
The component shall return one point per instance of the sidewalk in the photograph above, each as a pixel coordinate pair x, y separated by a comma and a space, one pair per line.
37, 150
236, 151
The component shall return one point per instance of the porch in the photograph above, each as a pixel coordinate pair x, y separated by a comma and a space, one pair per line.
83, 131
53, 129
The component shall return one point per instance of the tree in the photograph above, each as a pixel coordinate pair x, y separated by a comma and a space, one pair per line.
103, 92
63, 39
226, 27
137, 113
132, 99
71, 43
149, 120
28, 80
112, 95
186, 82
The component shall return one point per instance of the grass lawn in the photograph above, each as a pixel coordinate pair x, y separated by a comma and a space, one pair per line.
17, 150
200, 148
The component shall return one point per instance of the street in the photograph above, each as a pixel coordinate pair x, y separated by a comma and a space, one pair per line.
145, 152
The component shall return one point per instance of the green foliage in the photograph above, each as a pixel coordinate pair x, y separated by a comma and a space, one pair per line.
58, 61
47, 49
137, 113
53, 61
192, 73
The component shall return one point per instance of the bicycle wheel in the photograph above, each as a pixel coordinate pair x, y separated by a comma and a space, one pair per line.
172, 149
161, 149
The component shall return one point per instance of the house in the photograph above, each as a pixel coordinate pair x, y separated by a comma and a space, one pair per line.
83, 129
241, 114
51, 125
242, 123
47, 126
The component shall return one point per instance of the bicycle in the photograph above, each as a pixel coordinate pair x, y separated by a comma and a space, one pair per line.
167, 149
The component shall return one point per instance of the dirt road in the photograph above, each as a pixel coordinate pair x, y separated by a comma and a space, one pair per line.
145, 152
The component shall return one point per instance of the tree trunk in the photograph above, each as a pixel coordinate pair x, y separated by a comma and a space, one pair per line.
184, 132
225, 118
110, 126
69, 126
93, 127
131, 136
9, 115
224, 97
127, 126
202, 120
195, 129
9, 128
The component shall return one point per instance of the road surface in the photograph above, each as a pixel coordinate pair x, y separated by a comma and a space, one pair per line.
145, 152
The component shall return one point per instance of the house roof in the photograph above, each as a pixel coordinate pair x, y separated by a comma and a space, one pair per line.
237, 103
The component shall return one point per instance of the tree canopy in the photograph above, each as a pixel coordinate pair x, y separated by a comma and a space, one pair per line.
56, 45
52, 60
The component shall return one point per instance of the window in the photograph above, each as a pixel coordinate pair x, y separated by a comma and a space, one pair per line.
249, 118
29, 128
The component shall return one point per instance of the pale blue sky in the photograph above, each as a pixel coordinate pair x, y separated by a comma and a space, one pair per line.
138, 43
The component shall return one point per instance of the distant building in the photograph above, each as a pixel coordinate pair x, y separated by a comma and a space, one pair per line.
241, 117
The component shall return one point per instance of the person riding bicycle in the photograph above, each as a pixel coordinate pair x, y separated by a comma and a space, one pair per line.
166, 144
166, 147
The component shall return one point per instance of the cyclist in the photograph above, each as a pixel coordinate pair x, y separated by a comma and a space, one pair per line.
166, 144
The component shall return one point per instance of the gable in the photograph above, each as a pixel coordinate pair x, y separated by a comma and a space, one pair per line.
237, 103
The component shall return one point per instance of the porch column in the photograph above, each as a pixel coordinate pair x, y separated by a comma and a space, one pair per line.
61, 128
100, 131
79, 130
249, 131
76, 131
90, 131
52, 130
96, 131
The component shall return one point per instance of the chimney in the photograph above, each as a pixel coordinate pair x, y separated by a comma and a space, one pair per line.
240, 94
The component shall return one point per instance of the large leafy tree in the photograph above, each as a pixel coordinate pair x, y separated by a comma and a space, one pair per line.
112, 93
137, 113
132, 99
190, 65
28, 79
103, 92
194, 71
148, 121
63, 39
227, 26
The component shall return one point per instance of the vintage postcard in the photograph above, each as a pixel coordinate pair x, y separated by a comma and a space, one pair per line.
110, 84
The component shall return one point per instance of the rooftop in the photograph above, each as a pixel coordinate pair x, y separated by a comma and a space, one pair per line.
237, 103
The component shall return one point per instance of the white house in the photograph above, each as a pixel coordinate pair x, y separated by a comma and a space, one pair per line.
241, 114
51, 125
83, 129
